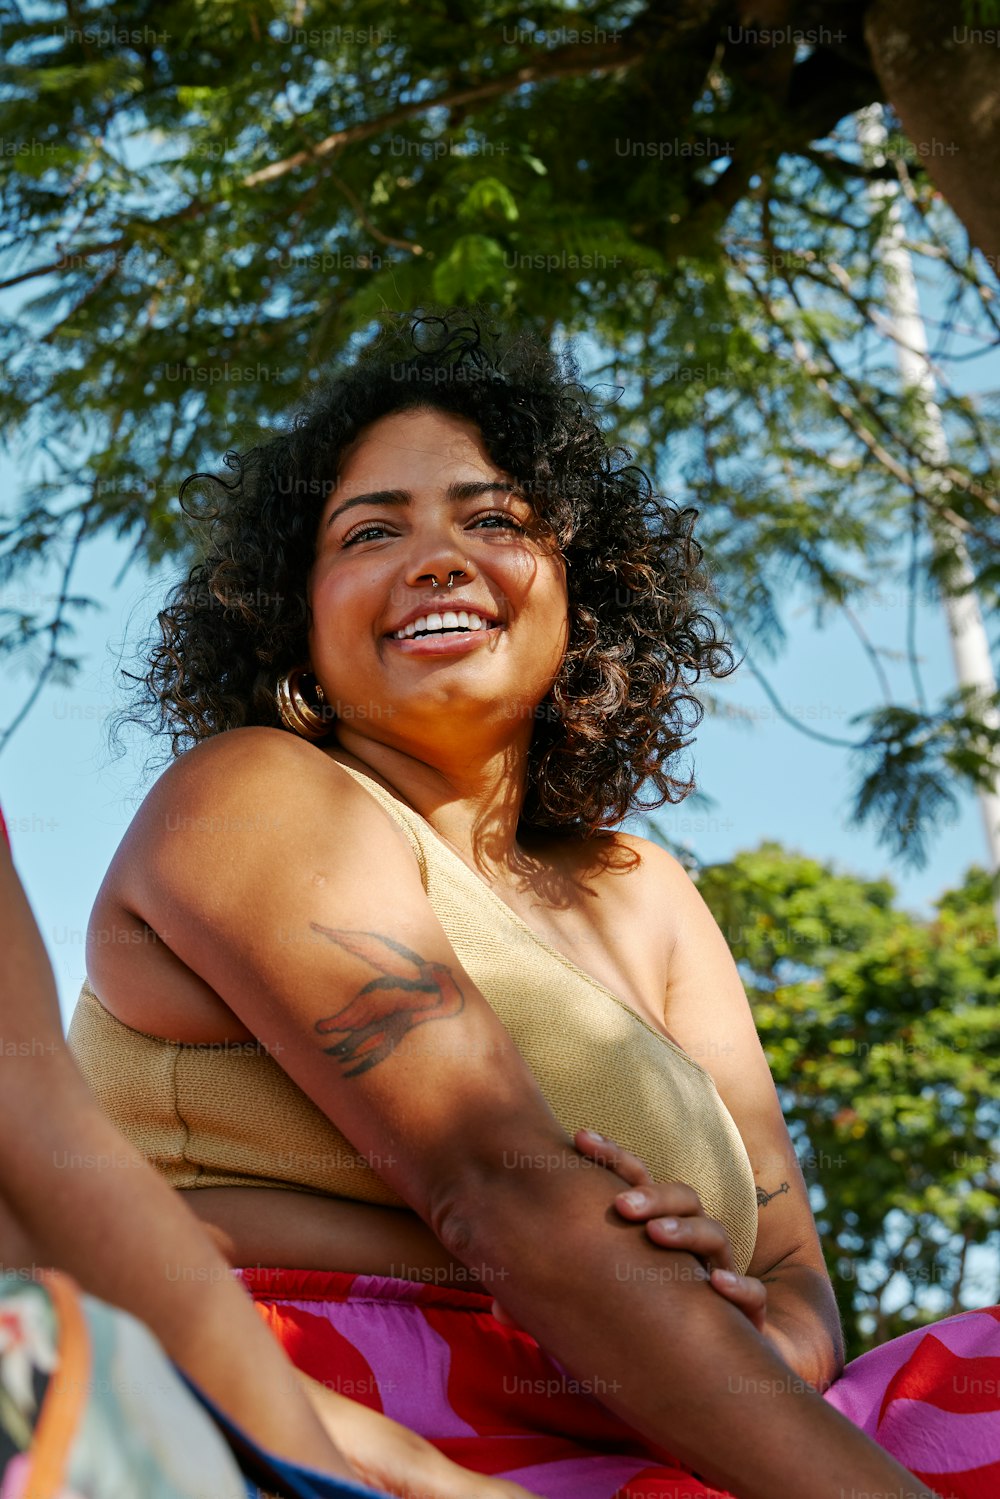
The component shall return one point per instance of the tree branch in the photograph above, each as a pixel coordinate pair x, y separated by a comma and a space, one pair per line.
870, 651
53, 627
790, 718
986, 293
190, 210
911, 611
953, 475
383, 239
95, 286
573, 60
86, 252
859, 429
829, 161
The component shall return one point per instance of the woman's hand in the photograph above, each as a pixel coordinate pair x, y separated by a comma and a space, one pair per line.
675, 1219
388, 1456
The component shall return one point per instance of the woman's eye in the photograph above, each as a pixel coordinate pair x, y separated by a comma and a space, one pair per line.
353, 536
500, 515
377, 525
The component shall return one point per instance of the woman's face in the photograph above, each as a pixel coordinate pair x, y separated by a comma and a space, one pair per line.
375, 560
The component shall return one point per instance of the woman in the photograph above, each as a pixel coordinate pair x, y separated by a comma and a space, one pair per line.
335, 935
75, 1195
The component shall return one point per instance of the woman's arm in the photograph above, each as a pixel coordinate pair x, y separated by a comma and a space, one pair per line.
76, 1195
707, 1011
293, 895
675, 1219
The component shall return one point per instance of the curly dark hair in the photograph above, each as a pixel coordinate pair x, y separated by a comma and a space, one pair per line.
620, 708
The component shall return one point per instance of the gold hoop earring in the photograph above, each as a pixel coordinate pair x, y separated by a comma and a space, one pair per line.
297, 712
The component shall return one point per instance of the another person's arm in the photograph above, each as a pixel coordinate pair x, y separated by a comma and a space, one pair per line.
294, 896
74, 1194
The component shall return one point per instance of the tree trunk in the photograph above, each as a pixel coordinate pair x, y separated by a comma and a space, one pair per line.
970, 643
942, 77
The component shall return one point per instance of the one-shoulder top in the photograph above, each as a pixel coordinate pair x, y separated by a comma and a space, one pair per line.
225, 1114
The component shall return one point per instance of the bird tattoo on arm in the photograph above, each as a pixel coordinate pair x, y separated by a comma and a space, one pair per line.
410, 991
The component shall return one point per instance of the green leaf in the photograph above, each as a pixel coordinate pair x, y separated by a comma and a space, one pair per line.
489, 198
475, 264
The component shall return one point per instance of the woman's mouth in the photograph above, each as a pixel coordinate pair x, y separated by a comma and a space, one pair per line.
444, 642
443, 633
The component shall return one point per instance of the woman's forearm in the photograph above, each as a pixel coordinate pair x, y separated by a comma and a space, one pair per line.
687, 1368
803, 1323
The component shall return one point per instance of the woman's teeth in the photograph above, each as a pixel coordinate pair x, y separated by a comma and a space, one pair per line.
429, 624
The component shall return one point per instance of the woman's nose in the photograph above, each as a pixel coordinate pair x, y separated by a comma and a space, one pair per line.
442, 563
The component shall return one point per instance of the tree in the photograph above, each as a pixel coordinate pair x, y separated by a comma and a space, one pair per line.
942, 82
883, 1037
203, 207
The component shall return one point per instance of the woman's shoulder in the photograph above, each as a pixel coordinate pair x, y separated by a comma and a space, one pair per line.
646, 885
239, 767
226, 796
662, 867
621, 852
223, 835
254, 746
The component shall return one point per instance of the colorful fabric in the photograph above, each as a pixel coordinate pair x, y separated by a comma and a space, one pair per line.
436, 1359
486, 1395
92, 1408
932, 1399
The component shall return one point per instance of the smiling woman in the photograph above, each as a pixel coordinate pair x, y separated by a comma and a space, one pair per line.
402, 956
636, 593
447, 512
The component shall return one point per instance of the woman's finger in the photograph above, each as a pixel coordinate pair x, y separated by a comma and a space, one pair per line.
745, 1292
659, 1200
705, 1237
606, 1153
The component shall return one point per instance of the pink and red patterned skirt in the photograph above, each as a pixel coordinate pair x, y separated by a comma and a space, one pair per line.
437, 1360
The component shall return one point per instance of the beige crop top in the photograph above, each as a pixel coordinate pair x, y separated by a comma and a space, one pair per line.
227, 1115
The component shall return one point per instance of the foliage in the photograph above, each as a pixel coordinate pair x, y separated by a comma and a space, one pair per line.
205, 203
882, 1032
